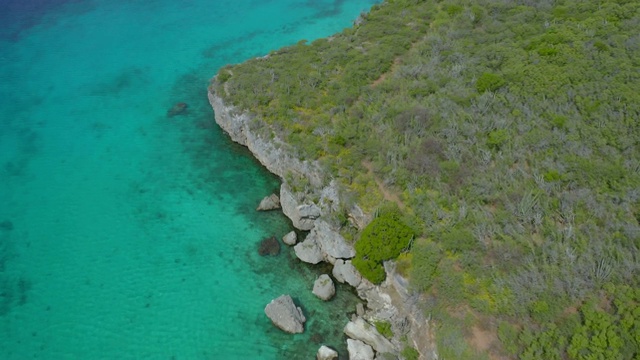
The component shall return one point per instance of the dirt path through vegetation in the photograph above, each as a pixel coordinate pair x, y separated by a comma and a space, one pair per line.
377, 81
386, 192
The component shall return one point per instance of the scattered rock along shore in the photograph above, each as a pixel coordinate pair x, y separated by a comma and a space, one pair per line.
285, 314
390, 301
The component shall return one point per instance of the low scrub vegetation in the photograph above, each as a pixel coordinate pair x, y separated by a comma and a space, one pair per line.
509, 131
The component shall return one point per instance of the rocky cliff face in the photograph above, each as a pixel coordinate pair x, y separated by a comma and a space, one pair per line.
273, 153
279, 158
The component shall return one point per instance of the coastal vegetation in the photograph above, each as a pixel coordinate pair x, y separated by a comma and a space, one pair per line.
383, 239
499, 143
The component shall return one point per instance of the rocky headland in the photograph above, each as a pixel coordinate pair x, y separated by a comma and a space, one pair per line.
389, 302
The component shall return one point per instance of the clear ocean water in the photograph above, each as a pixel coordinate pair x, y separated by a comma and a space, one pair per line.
128, 234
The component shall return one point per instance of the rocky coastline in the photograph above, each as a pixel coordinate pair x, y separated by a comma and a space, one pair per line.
389, 302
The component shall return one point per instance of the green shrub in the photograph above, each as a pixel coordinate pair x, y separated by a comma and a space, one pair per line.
384, 328
410, 353
453, 10
559, 121
497, 138
450, 281
600, 46
551, 176
547, 51
371, 270
508, 335
403, 264
383, 239
489, 82
424, 264
458, 240
224, 74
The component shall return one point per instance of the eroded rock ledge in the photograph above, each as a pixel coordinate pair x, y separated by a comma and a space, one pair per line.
387, 302
273, 153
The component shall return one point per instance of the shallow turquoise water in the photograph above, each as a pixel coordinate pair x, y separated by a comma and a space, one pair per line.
127, 234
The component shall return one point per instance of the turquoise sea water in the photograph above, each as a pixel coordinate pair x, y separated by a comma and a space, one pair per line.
127, 234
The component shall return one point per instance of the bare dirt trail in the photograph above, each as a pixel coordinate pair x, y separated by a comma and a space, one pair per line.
386, 192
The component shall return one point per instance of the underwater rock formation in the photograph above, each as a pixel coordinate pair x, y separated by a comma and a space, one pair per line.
6, 225
269, 246
177, 109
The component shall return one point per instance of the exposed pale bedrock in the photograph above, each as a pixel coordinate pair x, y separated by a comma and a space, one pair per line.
323, 243
359, 350
303, 215
285, 314
326, 353
271, 202
344, 271
309, 251
332, 244
290, 239
274, 154
361, 330
324, 288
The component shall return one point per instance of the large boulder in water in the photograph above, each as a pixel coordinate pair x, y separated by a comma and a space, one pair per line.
326, 353
309, 251
324, 287
344, 271
290, 239
285, 315
359, 350
271, 202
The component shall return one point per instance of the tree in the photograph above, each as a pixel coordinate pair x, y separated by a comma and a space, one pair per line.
383, 239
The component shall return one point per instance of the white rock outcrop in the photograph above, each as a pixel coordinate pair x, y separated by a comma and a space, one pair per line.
324, 288
332, 244
358, 218
285, 314
272, 152
359, 329
326, 353
309, 251
290, 239
271, 202
343, 271
303, 216
359, 350
324, 243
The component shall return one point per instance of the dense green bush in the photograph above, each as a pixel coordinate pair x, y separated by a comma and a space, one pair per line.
410, 353
424, 264
384, 328
383, 239
371, 270
489, 82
